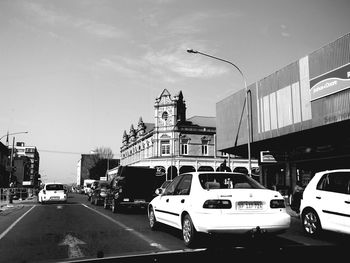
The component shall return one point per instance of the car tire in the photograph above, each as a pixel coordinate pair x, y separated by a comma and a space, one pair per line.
189, 233
152, 219
311, 222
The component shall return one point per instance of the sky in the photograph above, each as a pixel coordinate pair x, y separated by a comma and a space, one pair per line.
76, 73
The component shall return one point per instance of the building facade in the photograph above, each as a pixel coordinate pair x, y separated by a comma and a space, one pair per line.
4, 173
28, 159
300, 117
174, 144
89, 161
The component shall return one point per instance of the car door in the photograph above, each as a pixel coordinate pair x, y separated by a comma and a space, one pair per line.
162, 208
179, 200
334, 196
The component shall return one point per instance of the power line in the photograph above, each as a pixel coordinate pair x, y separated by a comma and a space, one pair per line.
58, 152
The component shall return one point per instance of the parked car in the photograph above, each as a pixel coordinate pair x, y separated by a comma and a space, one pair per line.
218, 202
52, 192
133, 186
99, 192
87, 185
325, 203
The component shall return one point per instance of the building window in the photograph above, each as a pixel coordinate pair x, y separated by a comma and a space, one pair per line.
165, 115
165, 147
184, 148
204, 147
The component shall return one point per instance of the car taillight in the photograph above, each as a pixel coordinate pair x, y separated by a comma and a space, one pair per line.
217, 204
277, 203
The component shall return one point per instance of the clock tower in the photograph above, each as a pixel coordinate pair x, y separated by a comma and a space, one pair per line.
168, 111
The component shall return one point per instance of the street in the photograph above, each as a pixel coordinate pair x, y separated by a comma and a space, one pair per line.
56, 232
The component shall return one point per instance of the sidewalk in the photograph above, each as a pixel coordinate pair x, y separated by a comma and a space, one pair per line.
4, 205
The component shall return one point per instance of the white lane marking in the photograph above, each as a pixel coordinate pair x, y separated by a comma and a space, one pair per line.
15, 223
138, 234
73, 249
59, 207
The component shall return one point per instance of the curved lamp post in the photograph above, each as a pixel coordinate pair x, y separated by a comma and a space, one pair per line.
8, 134
246, 99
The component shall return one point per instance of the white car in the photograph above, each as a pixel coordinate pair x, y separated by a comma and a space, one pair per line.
218, 202
325, 204
52, 192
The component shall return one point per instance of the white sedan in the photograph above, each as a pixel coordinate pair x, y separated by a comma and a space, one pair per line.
218, 202
52, 192
326, 203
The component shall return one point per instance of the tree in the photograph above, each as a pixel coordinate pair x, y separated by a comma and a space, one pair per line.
103, 160
103, 152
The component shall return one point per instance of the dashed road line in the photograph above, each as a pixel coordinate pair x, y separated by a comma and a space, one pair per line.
138, 234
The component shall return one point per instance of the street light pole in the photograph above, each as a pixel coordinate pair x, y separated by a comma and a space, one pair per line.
246, 99
8, 134
9, 198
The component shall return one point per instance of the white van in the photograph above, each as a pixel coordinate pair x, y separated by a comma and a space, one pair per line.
87, 185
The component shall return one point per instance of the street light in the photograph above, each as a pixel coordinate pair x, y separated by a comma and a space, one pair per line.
8, 134
12, 149
246, 98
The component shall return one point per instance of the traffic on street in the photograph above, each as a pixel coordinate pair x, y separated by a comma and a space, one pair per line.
174, 131
79, 230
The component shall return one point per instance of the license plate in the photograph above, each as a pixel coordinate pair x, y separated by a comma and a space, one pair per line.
139, 201
55, 197
249, 205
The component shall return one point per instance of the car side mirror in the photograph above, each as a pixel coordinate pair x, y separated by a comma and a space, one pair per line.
158, 191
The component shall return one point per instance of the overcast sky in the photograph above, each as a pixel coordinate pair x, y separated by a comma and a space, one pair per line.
76, 73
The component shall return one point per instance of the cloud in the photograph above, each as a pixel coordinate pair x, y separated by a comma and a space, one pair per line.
47, 16
284, 32
181, 64
116, 64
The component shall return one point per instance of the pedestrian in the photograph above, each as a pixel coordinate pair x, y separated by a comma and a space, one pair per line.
296, 197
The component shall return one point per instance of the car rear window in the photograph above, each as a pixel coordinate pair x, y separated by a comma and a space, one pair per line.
228, 181
54, 187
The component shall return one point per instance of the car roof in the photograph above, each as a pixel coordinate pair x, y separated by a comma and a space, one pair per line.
213, 172
333, 171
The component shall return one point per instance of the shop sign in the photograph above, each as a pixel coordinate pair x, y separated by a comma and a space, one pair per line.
330, 83
267, 157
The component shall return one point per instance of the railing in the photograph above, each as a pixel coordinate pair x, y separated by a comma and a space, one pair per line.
9, 194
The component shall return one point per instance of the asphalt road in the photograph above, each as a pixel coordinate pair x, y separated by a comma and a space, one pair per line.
78, 230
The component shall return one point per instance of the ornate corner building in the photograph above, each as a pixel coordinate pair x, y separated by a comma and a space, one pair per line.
174, 144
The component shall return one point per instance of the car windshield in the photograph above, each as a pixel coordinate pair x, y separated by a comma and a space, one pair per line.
54, 187
227, 180
241, 101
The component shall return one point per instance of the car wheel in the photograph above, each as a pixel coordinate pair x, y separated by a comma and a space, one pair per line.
188, 231
152, 219
311, 222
